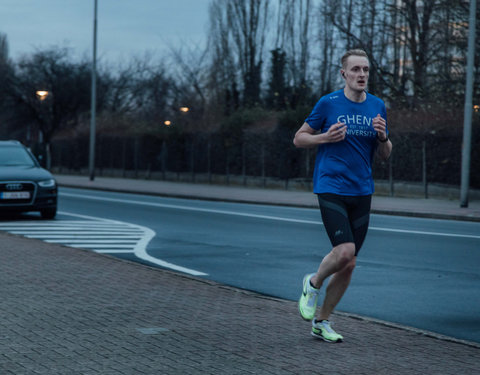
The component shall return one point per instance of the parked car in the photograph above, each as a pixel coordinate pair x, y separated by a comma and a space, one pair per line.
24, 184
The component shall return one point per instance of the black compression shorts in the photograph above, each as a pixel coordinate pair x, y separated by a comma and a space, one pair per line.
345, 218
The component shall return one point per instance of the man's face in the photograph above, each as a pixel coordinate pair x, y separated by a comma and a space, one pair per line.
356, 73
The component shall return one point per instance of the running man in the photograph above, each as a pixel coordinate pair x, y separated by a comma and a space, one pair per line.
348, 126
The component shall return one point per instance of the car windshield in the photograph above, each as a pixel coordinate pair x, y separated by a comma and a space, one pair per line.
15, 156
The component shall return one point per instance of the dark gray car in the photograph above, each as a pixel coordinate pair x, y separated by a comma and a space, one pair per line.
24, 184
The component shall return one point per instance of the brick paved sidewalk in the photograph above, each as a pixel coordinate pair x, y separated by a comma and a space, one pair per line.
68, 311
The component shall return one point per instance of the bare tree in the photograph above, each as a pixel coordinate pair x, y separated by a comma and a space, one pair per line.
68, 89
3, 48
419, 39
294, 37
327, 34
190, 73
223, 77
401, 38
238, 33
190, 88
248, 21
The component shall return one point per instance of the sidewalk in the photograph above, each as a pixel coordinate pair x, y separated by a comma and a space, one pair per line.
69, 311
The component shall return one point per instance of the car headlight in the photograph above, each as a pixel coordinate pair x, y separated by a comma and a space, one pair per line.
47, 183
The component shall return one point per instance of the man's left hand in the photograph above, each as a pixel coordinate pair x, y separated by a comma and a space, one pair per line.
380, 126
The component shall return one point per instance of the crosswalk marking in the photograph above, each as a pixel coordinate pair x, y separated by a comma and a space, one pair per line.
103, 236
113, 252
97, 246
93, 242
78, 236
99, 235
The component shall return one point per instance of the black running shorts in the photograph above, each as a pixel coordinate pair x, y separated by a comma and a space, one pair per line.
345, 218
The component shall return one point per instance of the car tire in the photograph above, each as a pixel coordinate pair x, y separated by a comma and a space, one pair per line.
48, 213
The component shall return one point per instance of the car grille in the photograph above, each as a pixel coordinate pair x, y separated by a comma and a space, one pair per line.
16, 192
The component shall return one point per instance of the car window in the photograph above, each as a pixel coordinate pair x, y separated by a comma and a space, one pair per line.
15, 156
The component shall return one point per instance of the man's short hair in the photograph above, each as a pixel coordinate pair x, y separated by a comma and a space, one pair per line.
352, 52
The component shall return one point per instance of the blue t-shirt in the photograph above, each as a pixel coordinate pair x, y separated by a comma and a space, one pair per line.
345, 167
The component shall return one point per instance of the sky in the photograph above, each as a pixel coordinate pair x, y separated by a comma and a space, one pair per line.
126, 28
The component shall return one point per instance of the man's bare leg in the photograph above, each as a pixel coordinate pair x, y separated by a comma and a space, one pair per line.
336, 288
339, 263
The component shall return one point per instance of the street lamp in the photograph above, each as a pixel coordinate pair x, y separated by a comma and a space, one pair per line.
184, 109
467, 113
42, 94
167, 122
93, 103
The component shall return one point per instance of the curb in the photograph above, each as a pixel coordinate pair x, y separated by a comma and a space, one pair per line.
402, 327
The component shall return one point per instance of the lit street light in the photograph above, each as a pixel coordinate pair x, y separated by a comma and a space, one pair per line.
42, 94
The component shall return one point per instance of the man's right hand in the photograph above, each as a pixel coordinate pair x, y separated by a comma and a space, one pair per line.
336, 132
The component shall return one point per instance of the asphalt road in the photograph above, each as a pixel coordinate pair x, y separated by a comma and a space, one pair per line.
418, 272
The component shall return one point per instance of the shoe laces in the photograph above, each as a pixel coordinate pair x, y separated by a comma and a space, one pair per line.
327, 325
311, 290
311, 301
311, 296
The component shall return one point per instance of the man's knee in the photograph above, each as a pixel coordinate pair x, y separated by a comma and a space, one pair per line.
345, 255
348, 269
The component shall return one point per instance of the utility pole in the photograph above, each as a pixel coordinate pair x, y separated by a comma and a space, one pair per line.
467, 117
93, 106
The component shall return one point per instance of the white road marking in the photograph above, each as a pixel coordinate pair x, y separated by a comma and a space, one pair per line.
425, 233
69, 231
97, 246
187, 208
114, 251
267, 217
78, 236
96, 234
140, 249
115, 242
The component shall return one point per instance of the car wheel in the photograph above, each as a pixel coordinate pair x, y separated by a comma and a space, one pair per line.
48, 213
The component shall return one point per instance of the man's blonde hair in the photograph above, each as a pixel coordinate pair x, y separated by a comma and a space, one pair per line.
352, 52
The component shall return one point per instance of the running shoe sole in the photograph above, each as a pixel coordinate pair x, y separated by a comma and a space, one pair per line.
320, 337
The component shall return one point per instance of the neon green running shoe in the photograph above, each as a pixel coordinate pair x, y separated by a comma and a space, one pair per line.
323, 330
308, 300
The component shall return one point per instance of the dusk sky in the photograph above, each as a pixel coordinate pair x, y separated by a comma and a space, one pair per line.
125, 27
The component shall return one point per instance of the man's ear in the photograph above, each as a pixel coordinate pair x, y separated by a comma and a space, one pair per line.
342, 73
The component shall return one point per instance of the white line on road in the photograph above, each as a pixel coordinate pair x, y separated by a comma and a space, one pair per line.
96, 234
78, 231
267, 217
425, 233
79, 236
140, 249
99, 246
110, 242
115, 251
197, 209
